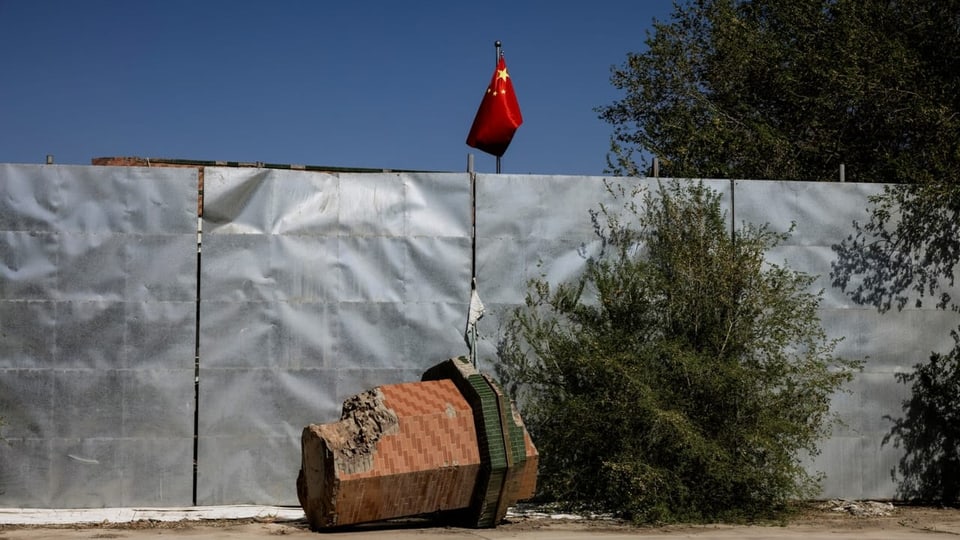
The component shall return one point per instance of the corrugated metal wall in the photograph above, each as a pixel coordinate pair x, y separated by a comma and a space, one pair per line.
314, 287
97, 329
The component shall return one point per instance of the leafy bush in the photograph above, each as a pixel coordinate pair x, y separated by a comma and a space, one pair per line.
682, 377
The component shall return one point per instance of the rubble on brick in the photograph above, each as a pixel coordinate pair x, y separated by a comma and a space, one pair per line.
450, 443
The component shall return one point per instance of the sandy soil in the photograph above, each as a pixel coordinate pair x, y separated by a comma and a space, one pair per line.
904, 522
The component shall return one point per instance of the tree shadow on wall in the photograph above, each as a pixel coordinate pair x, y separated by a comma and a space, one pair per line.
929, 431
907, 252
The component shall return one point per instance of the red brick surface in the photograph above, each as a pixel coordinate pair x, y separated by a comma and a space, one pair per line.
436, 430
409, 449
429, 463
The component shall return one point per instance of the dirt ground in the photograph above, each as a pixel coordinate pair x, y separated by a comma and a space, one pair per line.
902, 522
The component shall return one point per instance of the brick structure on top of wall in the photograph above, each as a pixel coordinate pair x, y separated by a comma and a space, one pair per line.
450, 443
147, 162
200, 165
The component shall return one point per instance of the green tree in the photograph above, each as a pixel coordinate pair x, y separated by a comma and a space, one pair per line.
791, 89
683, 377
787, 89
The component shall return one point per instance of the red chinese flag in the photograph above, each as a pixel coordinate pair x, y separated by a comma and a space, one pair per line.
498, 116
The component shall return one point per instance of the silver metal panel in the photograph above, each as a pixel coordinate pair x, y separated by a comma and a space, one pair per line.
435, 332
841, 461
558, 207
26, 402
436, 270
160, 268
268, 334
250, 437
260, 268
821, 215
87, 469
227, 196
878, 483
110, 437
266, 401
28, 264
889, 343
240, 201
523, 236
373, 335
502, 269
28, 329
25, 472
316, 287
97, 311
156, 404
92, 267
78, 321
372, 268
822, 212
813, 260
248, 469
372, 205
87, 403
136, 200
153, 471
539, 227
525, 222
144, 296
872, 397
159, 335
236, 268
554, 207
489, 331
157, 201
437, 204
880, 396
307, 336
306, 268
535, 226
28, 204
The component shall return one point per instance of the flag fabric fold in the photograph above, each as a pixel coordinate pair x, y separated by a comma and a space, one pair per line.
498, 116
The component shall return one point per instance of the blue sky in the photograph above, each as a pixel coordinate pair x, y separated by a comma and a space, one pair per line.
348, 83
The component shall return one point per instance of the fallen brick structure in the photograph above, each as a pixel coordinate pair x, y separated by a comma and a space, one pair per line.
452, 443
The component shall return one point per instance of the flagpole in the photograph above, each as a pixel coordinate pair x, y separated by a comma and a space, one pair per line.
472, 338
496, 62
473, 217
